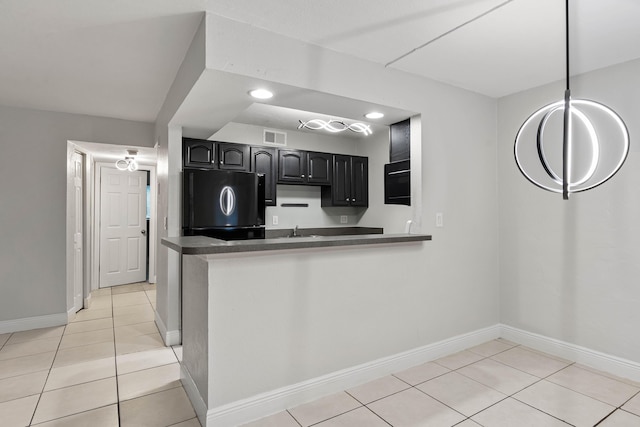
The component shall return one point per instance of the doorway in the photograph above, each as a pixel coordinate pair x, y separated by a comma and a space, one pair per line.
84, 216
123, 226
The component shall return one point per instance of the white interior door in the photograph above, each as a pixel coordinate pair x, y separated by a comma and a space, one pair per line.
123, 227
78, 263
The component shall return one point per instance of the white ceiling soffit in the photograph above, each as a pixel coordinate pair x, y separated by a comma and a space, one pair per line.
273, 117
219, 98
517, 46
110, 58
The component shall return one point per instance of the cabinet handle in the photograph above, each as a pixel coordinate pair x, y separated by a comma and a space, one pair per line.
347, 199
310, 177
353, 200
301, 176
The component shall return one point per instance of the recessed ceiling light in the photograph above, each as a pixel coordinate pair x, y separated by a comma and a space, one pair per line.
261, 94
374, 115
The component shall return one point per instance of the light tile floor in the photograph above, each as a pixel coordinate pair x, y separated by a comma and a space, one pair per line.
107, 368
496, 384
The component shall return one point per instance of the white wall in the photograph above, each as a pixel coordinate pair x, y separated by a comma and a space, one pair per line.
169, 140
569, 269
302, 314
459, 268
457, 272
33, 213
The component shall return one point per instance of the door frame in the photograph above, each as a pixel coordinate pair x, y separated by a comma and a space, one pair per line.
95, 259
77, 306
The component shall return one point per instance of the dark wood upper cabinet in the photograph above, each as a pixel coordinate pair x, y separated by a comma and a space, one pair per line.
350, 186
292, 167
340, 192
198, 153
344, 179
233, 156
359, 181
304, 167
319, 167
205, 154
400, 141
264, 161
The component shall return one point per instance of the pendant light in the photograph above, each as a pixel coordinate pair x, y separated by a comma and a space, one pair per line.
579, 144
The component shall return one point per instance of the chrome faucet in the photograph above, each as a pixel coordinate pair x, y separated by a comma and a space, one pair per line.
295, 231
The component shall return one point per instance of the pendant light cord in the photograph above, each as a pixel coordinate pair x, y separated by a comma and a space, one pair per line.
566, 18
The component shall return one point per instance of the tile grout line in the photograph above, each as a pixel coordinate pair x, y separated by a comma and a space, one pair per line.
115, 360
291, 415
48, 368
35, 409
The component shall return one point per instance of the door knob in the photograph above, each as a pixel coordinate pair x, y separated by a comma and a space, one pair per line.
143, 232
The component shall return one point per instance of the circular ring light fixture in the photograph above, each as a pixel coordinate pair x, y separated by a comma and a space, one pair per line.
593, 147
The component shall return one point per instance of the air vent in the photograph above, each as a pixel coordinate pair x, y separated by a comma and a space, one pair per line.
273, 137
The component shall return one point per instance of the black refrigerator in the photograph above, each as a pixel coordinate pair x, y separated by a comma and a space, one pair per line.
228, 205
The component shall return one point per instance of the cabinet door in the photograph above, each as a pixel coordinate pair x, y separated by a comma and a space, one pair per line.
400, 141
341, 187
291, 167
320, 167
359, 181
263, 161
198, 153
233, 156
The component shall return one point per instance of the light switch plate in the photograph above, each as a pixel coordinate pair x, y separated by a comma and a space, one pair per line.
439, 219
274, 220
344, 219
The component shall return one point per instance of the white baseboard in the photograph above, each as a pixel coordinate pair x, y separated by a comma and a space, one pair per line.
169, 337
71, 314
189, 385
268, 403
594, 359
274, 401
36, 322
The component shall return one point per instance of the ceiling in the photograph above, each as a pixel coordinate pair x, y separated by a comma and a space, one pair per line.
118, 58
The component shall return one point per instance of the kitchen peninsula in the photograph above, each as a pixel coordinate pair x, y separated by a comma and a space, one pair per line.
269, 324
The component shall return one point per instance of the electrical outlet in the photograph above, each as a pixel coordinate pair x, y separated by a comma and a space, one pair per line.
344, 219
439, 219
274, 220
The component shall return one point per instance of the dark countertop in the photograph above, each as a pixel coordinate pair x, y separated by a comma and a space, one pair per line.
201, 245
